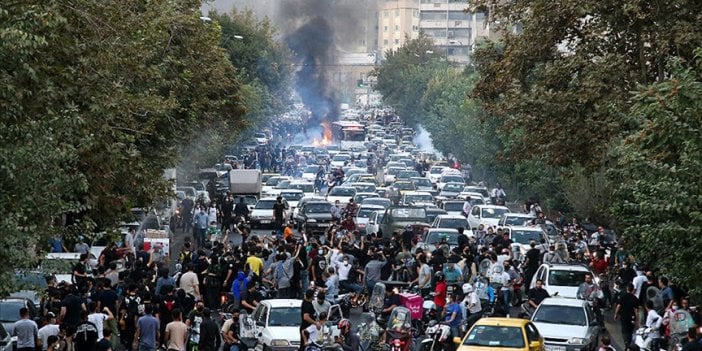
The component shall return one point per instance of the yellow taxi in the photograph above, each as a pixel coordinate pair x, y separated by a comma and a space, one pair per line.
502, 334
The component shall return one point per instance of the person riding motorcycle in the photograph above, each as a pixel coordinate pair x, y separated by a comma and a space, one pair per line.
240, 209
347, 340
591, 292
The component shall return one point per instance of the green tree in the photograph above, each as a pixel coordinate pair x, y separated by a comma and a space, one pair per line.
659, 175
97, 98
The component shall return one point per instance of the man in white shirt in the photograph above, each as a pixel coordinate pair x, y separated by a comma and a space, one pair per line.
653, 321
98, 318
50, 328
467, 206
638, 282
314, 333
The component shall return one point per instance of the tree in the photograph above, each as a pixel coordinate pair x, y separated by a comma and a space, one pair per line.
659, 175
564, 79
96, 99
405, 74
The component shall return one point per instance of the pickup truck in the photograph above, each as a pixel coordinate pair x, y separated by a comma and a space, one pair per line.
397, 218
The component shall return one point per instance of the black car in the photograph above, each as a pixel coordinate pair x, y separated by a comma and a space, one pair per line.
314, 216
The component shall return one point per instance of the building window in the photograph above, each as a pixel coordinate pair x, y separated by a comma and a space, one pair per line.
385, 42
397, 27
385, 29
385, 13
415, 28
397, 41
397, 13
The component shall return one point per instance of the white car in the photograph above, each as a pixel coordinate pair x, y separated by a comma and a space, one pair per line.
262, 214
422, 184
475, 198
341, 194
567, 324
521, 236
310, 173
417, 198
434, 173
452, 221
363, 214
489, 215
375, 218
340, 159
282, 185
450, 178
272, 182
510, 219
564, 279
453, 207
304, 200
306, 187
391, 174
359, 197
292, 196
261, 138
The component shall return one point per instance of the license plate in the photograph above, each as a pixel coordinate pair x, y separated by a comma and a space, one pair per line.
554, 348
265, 221
323, 224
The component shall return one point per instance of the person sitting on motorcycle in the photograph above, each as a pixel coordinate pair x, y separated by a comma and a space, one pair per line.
453, 315
392, 300
588, 290
452, 273
347, 340
314, 334
440, 291
350, 208
471, 305
240, 209
348, 224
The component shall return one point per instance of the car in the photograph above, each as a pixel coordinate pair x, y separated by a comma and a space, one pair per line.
341, 193
521, 236
407, 174
433, 212
9, 311
475, 198
266, 176
306, 187
397, 218
315, 216
275, 324
292, 196
453, 207
272, 182
493, 333
6, 343
564, 279
391, 174
304, 200
375, 219
422, 184
364, 187
188, 190
489, 215
434, 173
309, 173
31, 284
355, 178
363, 214
451, 189
477, 189
359, 197
438, 235
380, 201
509, 219
339, 160
416, 198
450, 178
262, 214
567, 324
451, 221
249, 200
400, 187
261, 138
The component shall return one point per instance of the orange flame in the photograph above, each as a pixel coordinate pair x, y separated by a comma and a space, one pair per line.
326, 135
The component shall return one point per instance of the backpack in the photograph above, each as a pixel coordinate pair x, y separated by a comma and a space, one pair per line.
169, 304
185, 257
214, 273
135, 307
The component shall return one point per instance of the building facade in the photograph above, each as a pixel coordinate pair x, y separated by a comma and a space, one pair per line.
398, 20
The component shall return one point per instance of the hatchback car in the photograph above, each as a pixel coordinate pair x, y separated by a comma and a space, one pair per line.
488, 215
567, 324
502, 334
564, 279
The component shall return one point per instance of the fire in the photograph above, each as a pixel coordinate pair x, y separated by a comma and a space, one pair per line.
321, 142
326, 135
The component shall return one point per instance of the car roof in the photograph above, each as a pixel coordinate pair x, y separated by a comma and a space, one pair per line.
290, 191
275, 303
505, 322
371, 206
267, 199
518, 215
419, 192
317, 201
526, 228
450, 216
492, 206
442, 230
562, 301
567, 267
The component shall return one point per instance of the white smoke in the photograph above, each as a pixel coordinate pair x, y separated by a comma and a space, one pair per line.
423, 141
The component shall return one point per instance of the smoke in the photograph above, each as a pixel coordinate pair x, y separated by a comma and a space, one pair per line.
424, 142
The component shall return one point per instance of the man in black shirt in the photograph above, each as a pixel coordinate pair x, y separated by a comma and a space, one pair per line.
626, 309
533, 258
279, 213
209, 333
86, 336
392, 300
537, 294
71, 307
307, 314
250, 298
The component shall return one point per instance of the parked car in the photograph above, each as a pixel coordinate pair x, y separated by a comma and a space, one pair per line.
341, 194
451, 221
396, 219
509, 219
363, 214
438, 235
567, 324
9, 311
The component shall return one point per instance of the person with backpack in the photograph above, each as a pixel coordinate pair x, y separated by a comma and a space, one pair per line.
213, 282
186, 254
194, 321
131, 306
167, 302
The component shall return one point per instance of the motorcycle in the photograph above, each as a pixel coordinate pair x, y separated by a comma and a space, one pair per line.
399, 331
643, 339
680, 322
439, 338
327, 343
370, 329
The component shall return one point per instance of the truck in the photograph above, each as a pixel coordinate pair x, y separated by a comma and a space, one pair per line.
245, 182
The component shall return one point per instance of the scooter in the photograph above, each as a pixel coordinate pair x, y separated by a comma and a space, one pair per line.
439, 338
643, 339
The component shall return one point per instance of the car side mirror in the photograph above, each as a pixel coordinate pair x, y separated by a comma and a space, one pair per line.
535, 344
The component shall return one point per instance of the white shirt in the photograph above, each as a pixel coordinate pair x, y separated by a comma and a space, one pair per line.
45, 332
98, 319
505, 280
654, 321
315, 334
638, 283
467, 207
343, 270
211, 215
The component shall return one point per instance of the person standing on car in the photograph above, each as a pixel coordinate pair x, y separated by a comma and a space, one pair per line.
26, 331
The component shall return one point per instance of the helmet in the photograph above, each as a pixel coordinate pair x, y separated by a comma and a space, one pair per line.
467, 288
344, 323
439, 276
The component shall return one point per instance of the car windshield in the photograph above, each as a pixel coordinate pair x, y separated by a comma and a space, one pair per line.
361, 197
516, 220
436, 170
341, 158
343, 192
453, 206
563, 315
454, 223
265, 205
495, 336
407, 174
394, 171
450, 238
452, 179
284, 317
404, 186
525, 236
311, 169
403, 213
422, 182
318, 208
418, 198
364, 212
454, 188
365, 188
248, 200
306, 188
292, 196
493, 212
377, 201
566, 278
283, 184
273, 181
9, 310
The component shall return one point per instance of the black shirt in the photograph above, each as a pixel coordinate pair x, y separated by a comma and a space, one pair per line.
250, 297
393, 299
209, 335
86, 337
306, 308
628, 304
533, 256
278, 209
538, 295
108, 298
73, 308
692, 346
104, 345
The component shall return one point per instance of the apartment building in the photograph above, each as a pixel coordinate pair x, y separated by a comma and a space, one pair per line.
397, 21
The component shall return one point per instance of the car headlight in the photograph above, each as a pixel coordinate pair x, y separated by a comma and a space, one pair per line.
576, 341
311, 221
279, 342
